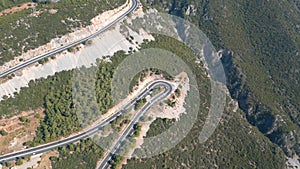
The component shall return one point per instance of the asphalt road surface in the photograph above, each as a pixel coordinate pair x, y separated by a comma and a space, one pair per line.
129, 129
58, 50
92, 130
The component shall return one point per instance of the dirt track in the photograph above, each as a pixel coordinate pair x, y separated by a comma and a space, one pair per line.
18, 8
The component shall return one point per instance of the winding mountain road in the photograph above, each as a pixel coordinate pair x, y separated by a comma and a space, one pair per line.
47, 147
130, 127
92, 130
134, 6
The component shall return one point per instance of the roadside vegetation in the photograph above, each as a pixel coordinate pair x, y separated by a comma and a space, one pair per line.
141, 76
119, 122
137, 130
22, 30
139, 103
231, 139
63, 117
116, 161
76, 156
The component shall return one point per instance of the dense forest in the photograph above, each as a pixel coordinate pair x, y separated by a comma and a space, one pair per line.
261, 58
66, 114
61, 119
230, 145
77, 156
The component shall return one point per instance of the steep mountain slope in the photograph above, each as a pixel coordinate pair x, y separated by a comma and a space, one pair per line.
234, 144
262, 42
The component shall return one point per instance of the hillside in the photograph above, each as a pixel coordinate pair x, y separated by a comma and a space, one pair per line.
261, 57
234, 144
260, 41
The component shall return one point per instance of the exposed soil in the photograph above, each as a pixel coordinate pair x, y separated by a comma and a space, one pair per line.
45, 162
19, 132
97, 22
163, 110
18, 8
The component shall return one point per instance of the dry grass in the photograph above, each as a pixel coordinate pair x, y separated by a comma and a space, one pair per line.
18, 132
45, 161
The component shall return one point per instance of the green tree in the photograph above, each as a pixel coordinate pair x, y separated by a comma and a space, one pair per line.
22, 118
19, 161
3, 132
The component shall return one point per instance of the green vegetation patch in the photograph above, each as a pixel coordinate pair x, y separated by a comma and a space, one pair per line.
139, 103
21, 31
61, 114
77, 156
235, 143
263, 74
159, 126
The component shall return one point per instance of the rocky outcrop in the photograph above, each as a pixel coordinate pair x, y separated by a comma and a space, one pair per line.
258, 114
